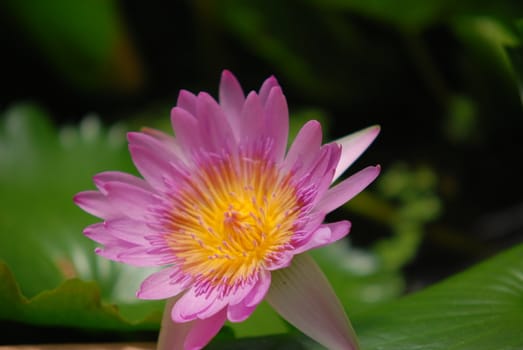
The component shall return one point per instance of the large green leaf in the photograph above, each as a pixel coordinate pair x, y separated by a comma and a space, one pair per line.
74, 303
40, 171
480, 309
40, 227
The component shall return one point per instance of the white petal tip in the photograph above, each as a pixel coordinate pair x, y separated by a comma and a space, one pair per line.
353, 146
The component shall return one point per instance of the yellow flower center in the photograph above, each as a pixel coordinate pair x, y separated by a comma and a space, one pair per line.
232, 218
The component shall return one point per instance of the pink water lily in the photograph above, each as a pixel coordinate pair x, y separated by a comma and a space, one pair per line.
229, 214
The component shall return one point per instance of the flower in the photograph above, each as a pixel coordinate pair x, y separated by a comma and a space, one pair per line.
229, 214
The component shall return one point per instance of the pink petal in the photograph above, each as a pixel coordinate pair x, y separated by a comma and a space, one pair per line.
98, 233
319, 173
323, 185
277, 121
192, 306
325, 234
306, 145
105, 177
128, 230
282, 262
203, 330
187, 100
193, 335
302, 295
153, 165
163, 284
239, 312
216, 306
131, 200
325, 161
347, 189
97, 204
185, 128
257, 294
266, 88
353, 146
215, 131
156, 140
251, 118
240, 293
136, 256
314, 220
231, 99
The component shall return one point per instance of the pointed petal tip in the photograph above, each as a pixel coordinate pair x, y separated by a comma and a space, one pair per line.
277, 92
377, 169
144, 295
374, 131
77, 199
370, 133
376, 128
186, 100
83, 199
348, 189
174, 110
184, 93
228, 81
353, 145
87, 234
226, 73
371, 173
88, 231
131, 136
272, 81
314, 123
347, 225
141, 293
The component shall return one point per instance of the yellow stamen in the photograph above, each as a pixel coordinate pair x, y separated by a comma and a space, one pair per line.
230, 218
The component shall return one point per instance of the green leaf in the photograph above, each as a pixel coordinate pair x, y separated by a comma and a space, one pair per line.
480, 309
74, 303
40, 171
359, 277
40, 228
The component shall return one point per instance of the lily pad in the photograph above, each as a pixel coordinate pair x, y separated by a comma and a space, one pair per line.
75, 303
480, 309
